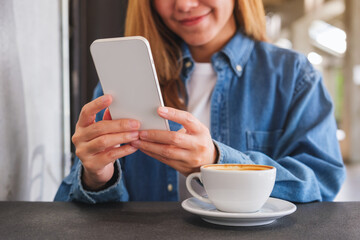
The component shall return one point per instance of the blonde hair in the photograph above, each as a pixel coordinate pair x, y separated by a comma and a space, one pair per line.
143, 20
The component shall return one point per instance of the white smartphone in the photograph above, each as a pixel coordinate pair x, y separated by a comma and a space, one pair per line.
127, 72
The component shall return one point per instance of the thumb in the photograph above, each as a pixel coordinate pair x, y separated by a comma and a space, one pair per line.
107, 115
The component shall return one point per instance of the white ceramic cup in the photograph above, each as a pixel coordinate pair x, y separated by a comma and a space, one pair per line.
235, 187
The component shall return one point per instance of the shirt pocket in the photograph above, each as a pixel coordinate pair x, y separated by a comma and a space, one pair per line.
263, 141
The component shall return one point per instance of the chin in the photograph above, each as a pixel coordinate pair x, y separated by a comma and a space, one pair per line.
197, 40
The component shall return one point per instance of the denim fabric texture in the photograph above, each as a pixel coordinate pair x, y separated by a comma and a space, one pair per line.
269, 106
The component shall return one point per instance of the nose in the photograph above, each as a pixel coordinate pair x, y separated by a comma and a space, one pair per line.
186, 5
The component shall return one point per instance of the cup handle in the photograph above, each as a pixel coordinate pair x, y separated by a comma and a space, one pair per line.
191, 190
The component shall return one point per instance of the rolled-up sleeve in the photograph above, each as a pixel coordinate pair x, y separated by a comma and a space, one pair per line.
72, 188
307, 154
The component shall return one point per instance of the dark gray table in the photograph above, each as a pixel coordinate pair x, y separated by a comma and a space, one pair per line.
167, 220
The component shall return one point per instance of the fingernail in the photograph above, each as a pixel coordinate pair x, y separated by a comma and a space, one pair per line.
132, 148
134, 124
163, 110
143, 134
134, 134
135, 143
106, 98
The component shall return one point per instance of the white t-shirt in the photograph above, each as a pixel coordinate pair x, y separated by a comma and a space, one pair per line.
199, 88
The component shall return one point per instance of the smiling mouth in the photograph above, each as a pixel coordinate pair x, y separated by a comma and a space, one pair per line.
193, 20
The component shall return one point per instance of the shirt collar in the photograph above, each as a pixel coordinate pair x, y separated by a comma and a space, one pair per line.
187, 61
237, 52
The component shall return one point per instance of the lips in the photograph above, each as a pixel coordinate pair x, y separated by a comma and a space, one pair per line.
192, 20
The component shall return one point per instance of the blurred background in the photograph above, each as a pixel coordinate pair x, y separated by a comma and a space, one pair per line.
47, 75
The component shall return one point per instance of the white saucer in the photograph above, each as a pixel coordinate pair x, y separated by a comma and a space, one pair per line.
273, 209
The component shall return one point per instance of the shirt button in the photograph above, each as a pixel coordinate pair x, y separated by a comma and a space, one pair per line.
238, 68
188, 64
169, 187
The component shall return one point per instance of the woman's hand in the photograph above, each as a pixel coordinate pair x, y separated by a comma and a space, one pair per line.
97, 143
185, 150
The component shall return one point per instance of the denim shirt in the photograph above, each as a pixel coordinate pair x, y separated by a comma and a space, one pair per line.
269, 106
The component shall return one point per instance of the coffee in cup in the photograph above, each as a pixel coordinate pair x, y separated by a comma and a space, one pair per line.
235, 187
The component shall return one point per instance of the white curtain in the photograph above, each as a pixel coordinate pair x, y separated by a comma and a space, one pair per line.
30, 99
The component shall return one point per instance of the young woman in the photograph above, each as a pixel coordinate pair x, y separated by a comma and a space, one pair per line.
231, 97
